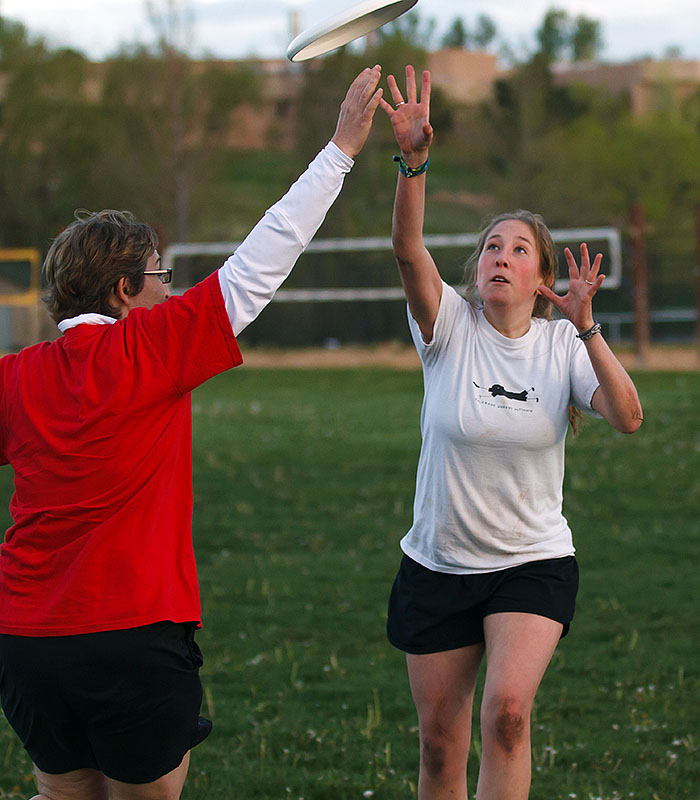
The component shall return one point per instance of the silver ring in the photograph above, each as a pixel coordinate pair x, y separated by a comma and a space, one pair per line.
590, 283
402, 103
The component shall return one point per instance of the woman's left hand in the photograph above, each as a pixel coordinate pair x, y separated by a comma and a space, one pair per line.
576, 305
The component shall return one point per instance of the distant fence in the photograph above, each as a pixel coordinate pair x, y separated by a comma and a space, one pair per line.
615, 320
608, 240
382, 318
321, 299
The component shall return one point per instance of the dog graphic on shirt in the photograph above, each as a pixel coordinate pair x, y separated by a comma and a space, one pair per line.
497, 390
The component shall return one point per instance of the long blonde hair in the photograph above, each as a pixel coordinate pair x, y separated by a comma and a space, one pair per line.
548, 269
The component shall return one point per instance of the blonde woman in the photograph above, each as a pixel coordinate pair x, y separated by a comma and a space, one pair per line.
488, 566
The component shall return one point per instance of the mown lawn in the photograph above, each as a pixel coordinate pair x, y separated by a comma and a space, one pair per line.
303, 487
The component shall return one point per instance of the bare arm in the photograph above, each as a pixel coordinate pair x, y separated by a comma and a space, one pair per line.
419, 275
616, 398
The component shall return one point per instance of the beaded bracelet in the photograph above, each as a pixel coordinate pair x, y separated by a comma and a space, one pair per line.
590, 333
411, 172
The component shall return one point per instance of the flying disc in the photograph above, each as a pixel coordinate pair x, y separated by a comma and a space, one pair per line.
345, 26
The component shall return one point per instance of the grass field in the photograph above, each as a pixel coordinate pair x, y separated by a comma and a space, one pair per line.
303, 487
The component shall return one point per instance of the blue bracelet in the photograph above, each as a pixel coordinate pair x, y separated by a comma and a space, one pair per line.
411, 172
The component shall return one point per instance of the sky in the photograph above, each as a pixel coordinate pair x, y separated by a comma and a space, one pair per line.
241, 28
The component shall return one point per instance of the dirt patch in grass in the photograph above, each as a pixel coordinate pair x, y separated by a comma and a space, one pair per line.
399, 356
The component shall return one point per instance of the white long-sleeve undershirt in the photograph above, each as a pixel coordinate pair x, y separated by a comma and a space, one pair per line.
252, 275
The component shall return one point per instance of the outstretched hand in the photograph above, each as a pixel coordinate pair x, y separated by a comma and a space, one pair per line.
357, 111
411, 119
577, 304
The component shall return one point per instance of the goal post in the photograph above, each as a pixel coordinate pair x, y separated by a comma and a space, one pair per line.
349, 290
603, 239
20, 287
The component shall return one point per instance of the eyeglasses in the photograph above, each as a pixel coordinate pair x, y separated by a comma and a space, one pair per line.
163, 275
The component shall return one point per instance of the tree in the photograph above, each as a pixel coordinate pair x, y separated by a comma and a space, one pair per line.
457, 35
553, 35
52, 134
560, 36
170, 118
144, 130
586, 39
485, 31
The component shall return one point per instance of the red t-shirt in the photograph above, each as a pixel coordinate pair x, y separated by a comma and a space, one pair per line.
97, 427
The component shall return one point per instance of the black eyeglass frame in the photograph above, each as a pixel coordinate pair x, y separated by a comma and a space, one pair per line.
164, 275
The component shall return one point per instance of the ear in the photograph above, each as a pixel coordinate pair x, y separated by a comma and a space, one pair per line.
122, 293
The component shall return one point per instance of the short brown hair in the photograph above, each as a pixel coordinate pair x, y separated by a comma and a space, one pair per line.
86, 261
545, 248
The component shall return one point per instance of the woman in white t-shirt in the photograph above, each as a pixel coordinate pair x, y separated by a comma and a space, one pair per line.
488, 565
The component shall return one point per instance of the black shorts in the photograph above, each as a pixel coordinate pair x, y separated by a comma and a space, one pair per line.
434, 611
123, 702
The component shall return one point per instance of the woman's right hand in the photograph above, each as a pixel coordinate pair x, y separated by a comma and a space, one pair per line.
411, 119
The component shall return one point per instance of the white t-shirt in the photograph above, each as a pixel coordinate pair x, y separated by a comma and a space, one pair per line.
493, 423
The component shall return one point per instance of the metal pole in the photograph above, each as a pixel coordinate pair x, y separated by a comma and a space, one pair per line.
641, 284
697, 276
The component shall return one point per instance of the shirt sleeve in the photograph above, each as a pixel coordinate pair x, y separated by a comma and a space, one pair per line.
252, 275
189, 335
452, 308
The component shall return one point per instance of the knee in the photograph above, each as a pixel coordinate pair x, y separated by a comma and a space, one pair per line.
439, 751
507, 721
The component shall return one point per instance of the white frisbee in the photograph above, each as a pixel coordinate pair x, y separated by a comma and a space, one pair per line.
345, 26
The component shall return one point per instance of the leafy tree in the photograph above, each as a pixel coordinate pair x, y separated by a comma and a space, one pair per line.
485, 31
586, 39
145, 131
52, 134
560, 36
457, 35
577, 155
553, 35
170, 119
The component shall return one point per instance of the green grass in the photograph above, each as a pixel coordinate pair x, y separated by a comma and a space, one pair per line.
303, 487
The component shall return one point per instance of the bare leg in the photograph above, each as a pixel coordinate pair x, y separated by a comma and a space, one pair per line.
80, 784
168, 787
88, 784
518, 649
443, 691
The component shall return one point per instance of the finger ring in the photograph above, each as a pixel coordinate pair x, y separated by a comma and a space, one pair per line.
590, 283
402, 103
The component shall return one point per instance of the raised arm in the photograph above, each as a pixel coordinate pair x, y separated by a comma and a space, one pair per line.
616, 397
414, 134
252, 275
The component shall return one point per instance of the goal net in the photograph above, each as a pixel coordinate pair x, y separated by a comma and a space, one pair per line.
348, 290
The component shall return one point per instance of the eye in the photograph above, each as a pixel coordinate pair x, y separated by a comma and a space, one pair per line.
491, 246
520, 249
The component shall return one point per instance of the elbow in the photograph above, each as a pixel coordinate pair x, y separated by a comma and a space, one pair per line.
404, 255
407, 248
632, 423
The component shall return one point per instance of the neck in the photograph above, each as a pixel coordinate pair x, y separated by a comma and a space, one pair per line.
509, 322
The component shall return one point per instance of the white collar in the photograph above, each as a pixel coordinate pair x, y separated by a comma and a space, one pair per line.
85, 319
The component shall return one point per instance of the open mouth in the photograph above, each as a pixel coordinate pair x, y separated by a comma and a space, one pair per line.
499, 279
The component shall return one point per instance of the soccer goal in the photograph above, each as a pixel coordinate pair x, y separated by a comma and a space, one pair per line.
349, 290
202, 258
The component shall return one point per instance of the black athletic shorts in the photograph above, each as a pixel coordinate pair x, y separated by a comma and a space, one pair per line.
434, 611
123, 702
